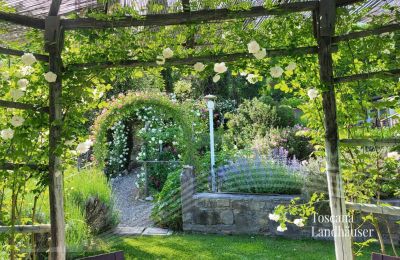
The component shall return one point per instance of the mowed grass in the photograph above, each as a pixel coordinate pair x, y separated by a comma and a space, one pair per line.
190, 246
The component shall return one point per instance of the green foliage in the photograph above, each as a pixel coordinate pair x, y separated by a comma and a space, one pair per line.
117, 158
126, 106
252, 118
167, 211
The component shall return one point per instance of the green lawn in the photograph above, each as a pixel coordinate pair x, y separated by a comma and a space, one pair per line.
189, 246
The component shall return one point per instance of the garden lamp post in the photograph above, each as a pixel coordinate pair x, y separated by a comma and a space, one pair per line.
211, 105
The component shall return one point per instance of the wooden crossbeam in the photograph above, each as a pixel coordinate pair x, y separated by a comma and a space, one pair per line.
356, 35
373, 208
375, 74
23, 20
193, 60
13, 52
16, 166
194, 17
18, 105
370, 142
54, 7
26, 229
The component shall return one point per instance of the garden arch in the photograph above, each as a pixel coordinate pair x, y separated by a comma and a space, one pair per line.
324, 14
124, 107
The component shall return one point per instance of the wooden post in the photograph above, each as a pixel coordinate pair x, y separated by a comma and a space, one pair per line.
53, 45
326, 28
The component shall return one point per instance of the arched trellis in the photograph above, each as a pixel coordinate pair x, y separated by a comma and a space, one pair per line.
124, 107
324, 16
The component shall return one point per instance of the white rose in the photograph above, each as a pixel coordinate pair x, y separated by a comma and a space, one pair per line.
252, 79
50, 76
167, 53
199, 66
216, 78
160, 60
312, 93
243, 73
17, 121
274, 217
276, 71
260, 54
7, 134
253, 47
299, 222
84, 147
220, 67
16, 94
281, 229
23, 83
28, 59
291, 66
26, 71
395, 155
160, 141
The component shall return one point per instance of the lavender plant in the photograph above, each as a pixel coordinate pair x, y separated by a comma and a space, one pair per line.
273, 174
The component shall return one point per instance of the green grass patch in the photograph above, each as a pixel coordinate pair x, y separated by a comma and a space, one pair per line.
196, 246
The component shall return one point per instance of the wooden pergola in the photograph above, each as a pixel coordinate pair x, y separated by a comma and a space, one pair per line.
323, 16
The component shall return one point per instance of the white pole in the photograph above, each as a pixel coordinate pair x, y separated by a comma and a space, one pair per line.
210, 106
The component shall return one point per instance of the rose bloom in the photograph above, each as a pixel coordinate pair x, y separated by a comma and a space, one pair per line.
276, 71
220, 67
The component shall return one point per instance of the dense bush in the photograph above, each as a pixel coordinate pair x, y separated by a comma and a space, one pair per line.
291, 139
167, 210
252, 118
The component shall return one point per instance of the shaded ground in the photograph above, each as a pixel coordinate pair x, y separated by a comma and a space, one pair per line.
132, 212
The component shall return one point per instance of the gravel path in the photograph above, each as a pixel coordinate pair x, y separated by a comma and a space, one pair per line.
132, 212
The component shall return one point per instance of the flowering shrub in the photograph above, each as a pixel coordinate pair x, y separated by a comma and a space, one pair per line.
117, 159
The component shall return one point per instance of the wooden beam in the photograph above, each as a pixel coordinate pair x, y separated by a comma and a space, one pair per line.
373, 208
371, 142
54, 38
341, 3
193, 60
23, 20
18, 105
326, 28
54, 7
26, 229
16, 166
194, 17
369, 75
13, 52
356, 35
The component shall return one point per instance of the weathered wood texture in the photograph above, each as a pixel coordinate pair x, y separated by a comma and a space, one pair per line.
369, 75
370, 142
195, 17
373, 208
327, 19
53, 45
27, 229
8, 51
361, 34
18, 105
22, 20
193, 60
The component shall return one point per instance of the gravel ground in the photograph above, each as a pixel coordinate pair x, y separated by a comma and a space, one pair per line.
132, 212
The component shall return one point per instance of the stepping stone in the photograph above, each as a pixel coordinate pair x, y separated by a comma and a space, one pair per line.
128, 230
152, 231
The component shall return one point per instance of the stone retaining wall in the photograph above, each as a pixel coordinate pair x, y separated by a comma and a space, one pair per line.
224, 213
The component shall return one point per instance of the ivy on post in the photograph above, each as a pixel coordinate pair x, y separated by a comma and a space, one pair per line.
325, 21
53, 44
